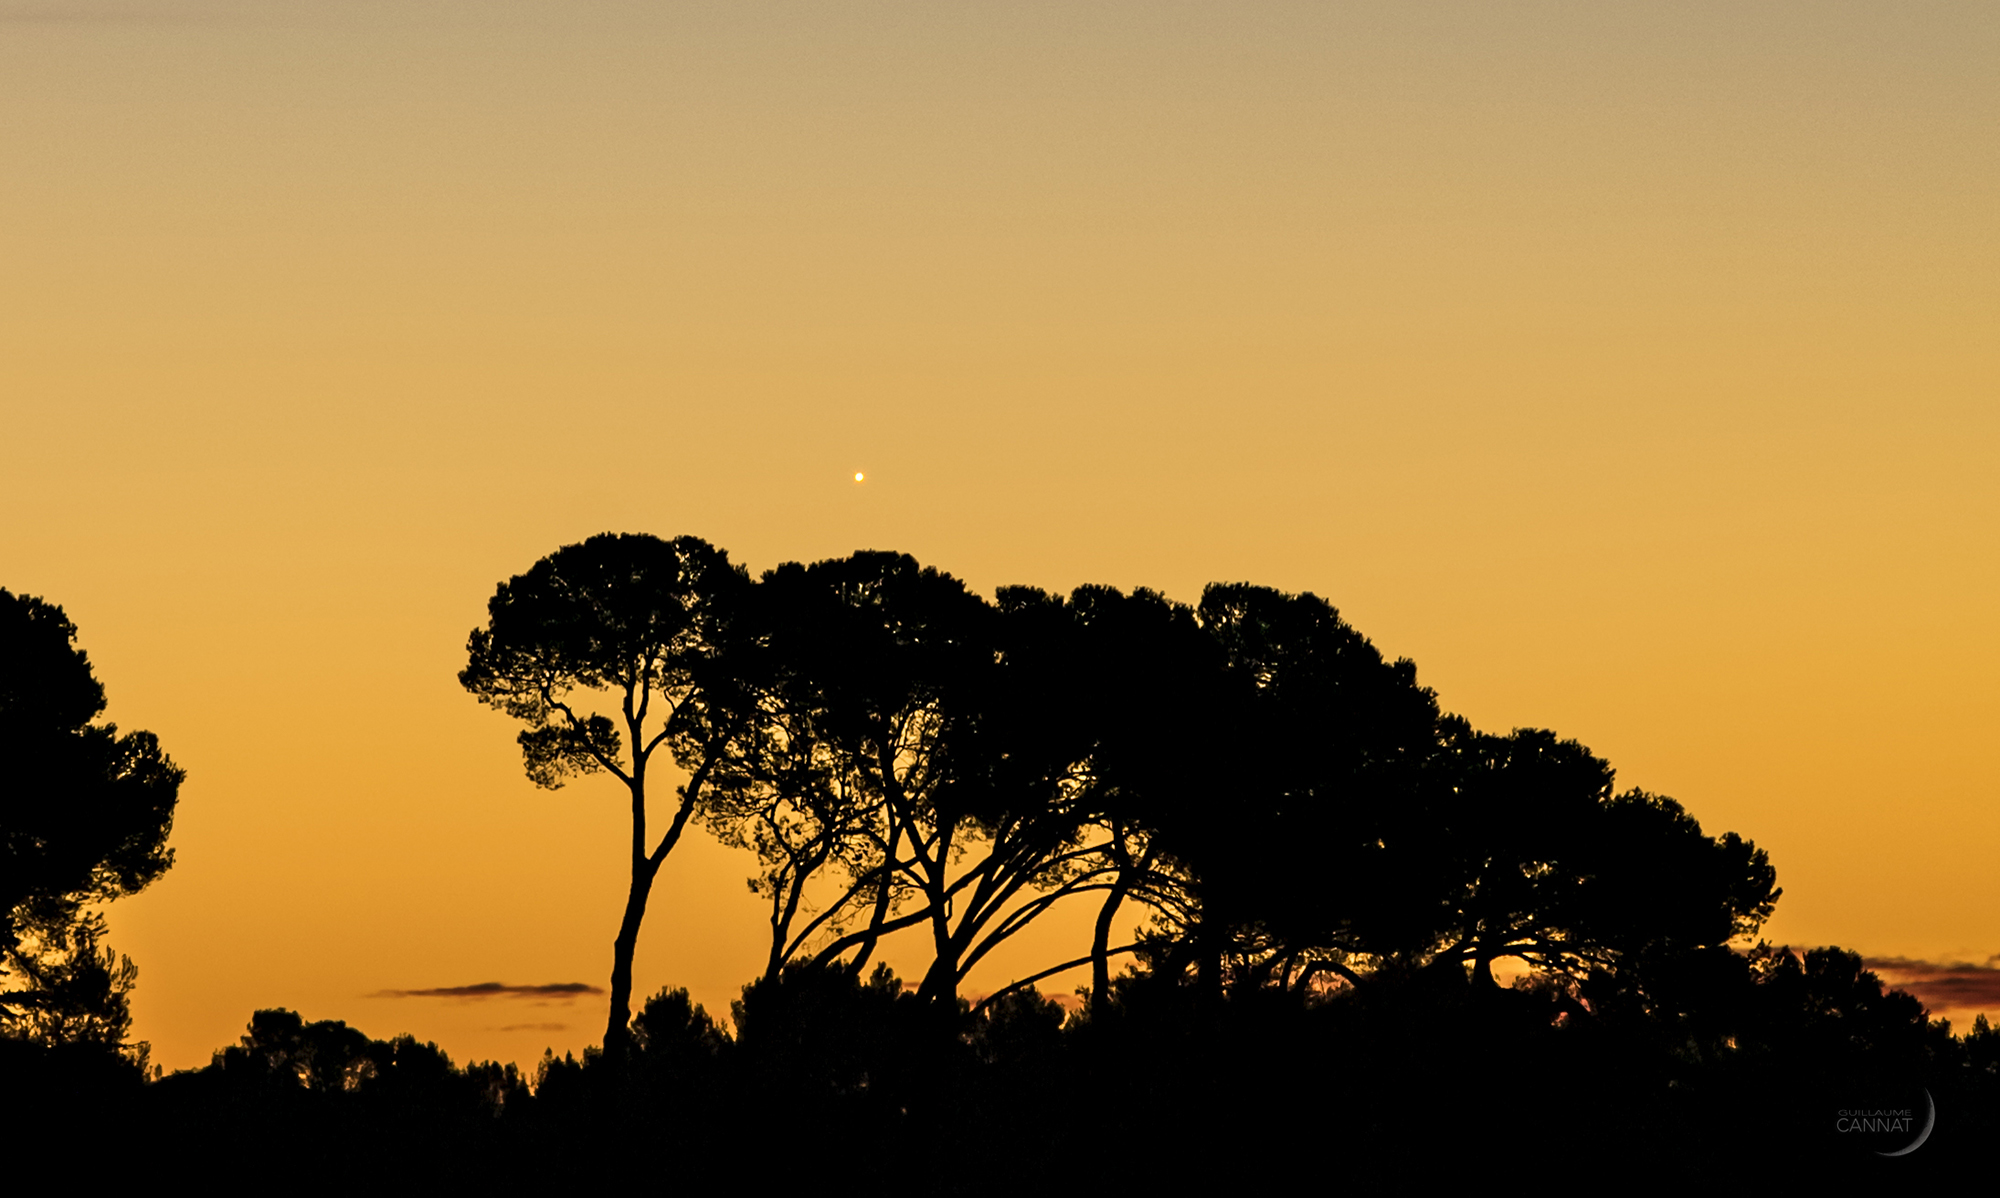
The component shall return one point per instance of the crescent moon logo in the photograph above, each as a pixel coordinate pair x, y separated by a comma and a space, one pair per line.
1930, 1117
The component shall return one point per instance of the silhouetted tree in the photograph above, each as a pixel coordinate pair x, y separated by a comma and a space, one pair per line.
676, 1041
1026, 791
1549, 866
1101, 711
74, 990
644, 622
1283, 829
928, 758
1152, 682
787, 790
1333, 822
871, 660
325, 1057
84, 818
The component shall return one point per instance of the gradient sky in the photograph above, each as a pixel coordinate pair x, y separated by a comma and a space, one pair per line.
1632, 367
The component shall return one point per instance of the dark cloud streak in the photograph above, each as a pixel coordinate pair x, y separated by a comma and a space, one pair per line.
564, 991
1942, 985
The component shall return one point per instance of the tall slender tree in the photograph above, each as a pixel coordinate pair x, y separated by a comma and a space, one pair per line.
644, 624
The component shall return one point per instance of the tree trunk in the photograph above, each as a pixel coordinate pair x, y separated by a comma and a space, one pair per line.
1482, 970
940, 984
882, 893
618, 1029
1100, 946
781, 934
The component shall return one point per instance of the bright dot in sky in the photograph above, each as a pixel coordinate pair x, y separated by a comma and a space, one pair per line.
857, 476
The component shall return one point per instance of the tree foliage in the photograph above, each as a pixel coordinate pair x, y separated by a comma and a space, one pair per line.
1286, 806
84, 819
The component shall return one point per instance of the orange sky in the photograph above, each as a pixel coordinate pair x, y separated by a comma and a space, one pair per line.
1633, 368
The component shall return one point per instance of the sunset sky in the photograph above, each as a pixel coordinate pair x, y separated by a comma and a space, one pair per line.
1634, 368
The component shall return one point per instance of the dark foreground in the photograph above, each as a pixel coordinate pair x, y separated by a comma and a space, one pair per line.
831, 1081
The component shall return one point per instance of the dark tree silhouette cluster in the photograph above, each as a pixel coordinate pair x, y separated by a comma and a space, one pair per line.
1335, 933
1732, 1072
1278, 805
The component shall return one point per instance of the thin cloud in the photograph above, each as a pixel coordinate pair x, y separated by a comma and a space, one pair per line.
1943, 985
535, 1027
558, 991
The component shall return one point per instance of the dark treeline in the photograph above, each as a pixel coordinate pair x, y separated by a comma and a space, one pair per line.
1333, 929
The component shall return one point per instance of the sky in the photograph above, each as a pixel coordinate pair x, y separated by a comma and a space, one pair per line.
1631, 367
